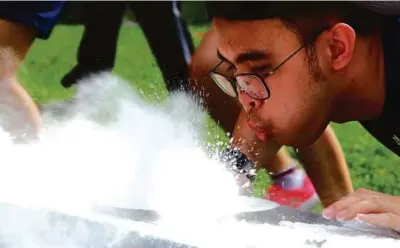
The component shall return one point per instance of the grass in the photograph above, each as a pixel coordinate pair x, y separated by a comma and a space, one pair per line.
371, 164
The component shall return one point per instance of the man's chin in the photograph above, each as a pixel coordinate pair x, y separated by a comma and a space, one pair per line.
298, 141
307, 140
302, 143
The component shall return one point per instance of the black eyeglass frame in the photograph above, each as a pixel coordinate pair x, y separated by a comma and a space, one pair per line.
260, 77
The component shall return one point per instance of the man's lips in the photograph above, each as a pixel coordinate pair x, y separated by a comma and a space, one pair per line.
261, 134
252, 124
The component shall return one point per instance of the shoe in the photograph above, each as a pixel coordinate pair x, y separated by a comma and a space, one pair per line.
302, 198
72, 77
79, 72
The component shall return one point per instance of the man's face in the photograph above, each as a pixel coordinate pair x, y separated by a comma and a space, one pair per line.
297, 111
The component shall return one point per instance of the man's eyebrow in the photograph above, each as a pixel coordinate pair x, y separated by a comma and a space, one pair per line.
252, 55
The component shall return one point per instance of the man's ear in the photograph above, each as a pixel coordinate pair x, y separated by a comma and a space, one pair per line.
341, 45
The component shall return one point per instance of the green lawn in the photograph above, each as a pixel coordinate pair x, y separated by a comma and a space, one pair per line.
371, 164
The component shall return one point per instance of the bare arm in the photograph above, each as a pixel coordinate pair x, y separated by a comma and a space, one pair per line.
326, 166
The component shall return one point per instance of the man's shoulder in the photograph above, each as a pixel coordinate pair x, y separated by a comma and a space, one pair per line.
386, 129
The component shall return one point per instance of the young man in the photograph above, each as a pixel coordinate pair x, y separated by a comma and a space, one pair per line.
298, 66
20, 24
290, 185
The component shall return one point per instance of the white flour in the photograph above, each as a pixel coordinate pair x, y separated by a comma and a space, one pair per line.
140, 156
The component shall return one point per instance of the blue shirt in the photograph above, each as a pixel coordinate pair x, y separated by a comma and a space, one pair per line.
42, 16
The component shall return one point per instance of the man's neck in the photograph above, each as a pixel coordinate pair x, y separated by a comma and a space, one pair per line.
364, 97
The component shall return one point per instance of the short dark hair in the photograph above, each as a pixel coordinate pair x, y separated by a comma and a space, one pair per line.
303, 18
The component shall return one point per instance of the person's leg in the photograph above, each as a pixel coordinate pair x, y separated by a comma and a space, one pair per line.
98, 46
20, 24
168, 39
16, 105
225, 111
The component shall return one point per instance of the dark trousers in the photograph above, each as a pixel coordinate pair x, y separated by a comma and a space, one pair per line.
166, 33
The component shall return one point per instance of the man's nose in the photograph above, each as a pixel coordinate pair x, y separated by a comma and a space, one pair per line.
246, 101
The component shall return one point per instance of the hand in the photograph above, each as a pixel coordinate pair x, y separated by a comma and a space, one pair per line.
367, 206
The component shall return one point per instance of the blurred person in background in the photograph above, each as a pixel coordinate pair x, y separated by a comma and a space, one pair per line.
164, 29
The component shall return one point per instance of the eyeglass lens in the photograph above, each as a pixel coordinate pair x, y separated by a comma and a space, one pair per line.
253, 86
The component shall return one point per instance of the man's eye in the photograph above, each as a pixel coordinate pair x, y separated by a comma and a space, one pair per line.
262, 68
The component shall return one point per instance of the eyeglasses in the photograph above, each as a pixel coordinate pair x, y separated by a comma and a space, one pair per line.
253, 85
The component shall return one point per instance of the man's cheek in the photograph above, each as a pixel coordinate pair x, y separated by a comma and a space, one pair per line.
279, 117
291, 116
